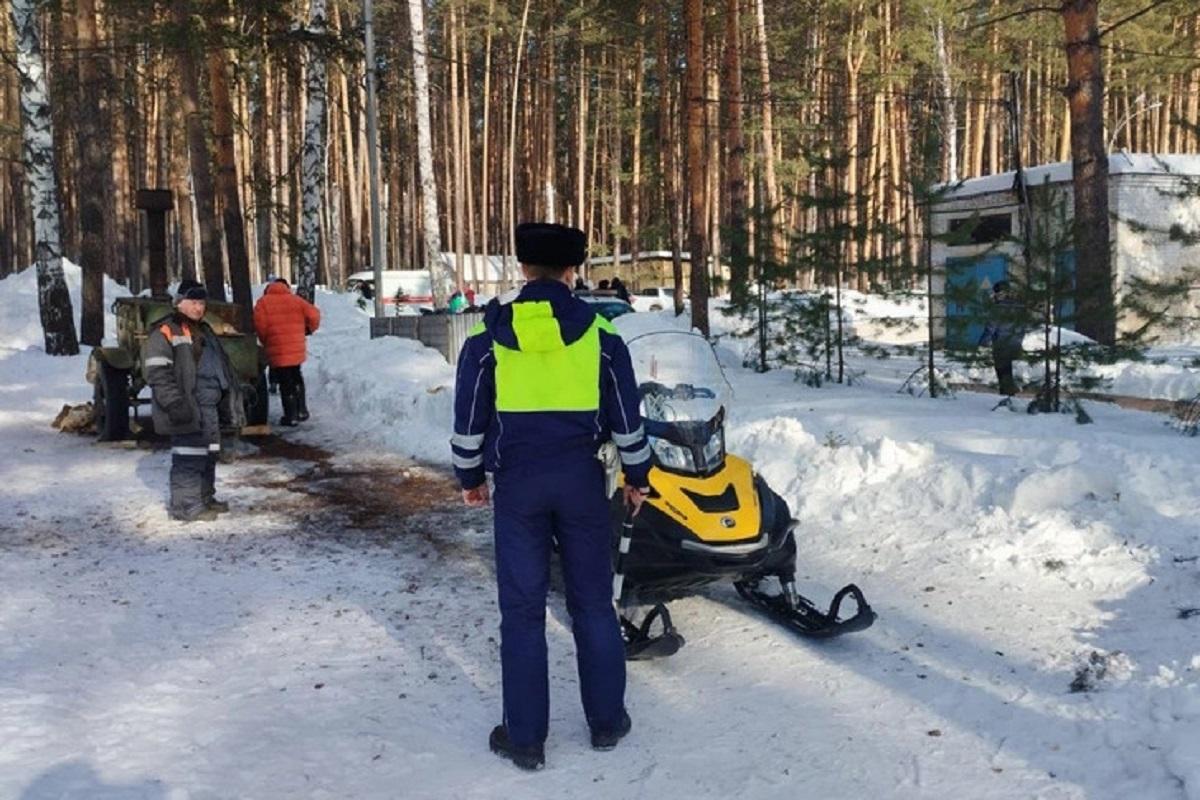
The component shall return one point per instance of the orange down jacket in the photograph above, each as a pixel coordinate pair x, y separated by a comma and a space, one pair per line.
282, 320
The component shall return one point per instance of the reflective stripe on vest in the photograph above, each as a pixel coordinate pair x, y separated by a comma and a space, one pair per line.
185, 338
546, 374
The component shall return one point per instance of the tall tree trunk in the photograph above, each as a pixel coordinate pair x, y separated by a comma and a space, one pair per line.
735, 152
312, 190
456, 152
485, 179
666, 159
94, 145
1085, 93
581, 113
768, 131
511, 222
37, 138
211, 259
693, 13
441, 278
635, 188
260, 149
949, 112
227, 184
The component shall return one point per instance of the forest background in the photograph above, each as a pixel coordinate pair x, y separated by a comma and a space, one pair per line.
797, 119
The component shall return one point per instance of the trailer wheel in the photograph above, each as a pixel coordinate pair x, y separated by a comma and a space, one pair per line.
110, 403
258, 408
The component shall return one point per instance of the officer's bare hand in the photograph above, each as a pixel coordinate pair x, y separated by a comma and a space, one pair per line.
635, 497
477, 497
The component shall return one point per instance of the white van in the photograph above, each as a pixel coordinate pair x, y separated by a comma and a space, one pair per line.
408, 288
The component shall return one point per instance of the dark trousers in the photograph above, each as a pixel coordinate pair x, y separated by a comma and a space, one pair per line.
194, 466
291, 391
532, 508
1003, 357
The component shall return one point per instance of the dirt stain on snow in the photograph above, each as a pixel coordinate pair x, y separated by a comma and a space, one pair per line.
372, 493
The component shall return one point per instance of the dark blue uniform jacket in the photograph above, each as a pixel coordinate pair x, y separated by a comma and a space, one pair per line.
491, 440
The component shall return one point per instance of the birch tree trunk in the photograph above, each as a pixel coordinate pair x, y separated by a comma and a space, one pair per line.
440, 278
949, 112
312, 188
37, 140
94, 145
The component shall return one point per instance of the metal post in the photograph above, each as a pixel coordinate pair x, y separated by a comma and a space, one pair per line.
156, 203
373, 156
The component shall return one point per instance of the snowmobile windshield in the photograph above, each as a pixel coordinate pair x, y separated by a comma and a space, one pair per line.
684, 395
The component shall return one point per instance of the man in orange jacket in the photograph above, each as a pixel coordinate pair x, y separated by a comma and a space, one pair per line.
282, 320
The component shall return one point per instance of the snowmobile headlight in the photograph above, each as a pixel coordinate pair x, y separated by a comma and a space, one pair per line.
672, 456
714, 450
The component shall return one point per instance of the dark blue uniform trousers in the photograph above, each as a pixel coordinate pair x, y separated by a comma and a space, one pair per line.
567, 503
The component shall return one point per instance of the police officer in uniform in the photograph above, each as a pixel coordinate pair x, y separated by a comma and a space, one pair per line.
193, 389
542, 383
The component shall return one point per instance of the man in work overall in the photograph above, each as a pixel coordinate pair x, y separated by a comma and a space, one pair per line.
193, 389
542, 383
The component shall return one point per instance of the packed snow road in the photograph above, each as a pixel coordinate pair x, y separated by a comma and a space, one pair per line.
335, 635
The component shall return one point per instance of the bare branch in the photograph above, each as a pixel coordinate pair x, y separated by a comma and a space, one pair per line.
1018, 13
1132, 17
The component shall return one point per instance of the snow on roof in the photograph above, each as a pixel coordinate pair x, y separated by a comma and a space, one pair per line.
490, 270
1060, 172
626, 258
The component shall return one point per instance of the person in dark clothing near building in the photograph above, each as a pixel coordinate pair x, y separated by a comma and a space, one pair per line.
1004, 333
193, 391
283, 320
618, 286
542, 383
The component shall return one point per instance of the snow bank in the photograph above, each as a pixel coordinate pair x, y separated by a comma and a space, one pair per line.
1010, 558
389, 392
20, 320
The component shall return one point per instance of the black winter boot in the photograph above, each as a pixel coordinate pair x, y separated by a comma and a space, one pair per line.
287, 397
301, 399
528, 758
607, 740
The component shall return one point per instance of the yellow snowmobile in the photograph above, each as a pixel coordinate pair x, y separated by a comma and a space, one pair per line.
709, 516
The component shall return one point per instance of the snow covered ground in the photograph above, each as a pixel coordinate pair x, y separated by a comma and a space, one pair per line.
1036, 583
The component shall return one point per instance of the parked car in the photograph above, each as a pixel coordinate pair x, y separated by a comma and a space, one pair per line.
654, 298
606, 302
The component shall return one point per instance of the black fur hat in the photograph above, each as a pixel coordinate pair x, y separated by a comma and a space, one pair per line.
190, 290
545, 244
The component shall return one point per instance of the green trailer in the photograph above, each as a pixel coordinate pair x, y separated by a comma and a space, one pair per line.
118, 376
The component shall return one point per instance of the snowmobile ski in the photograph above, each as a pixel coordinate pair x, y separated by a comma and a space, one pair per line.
642, 645
798, 612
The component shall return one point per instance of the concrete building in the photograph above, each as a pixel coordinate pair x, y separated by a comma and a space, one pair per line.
1152, 199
